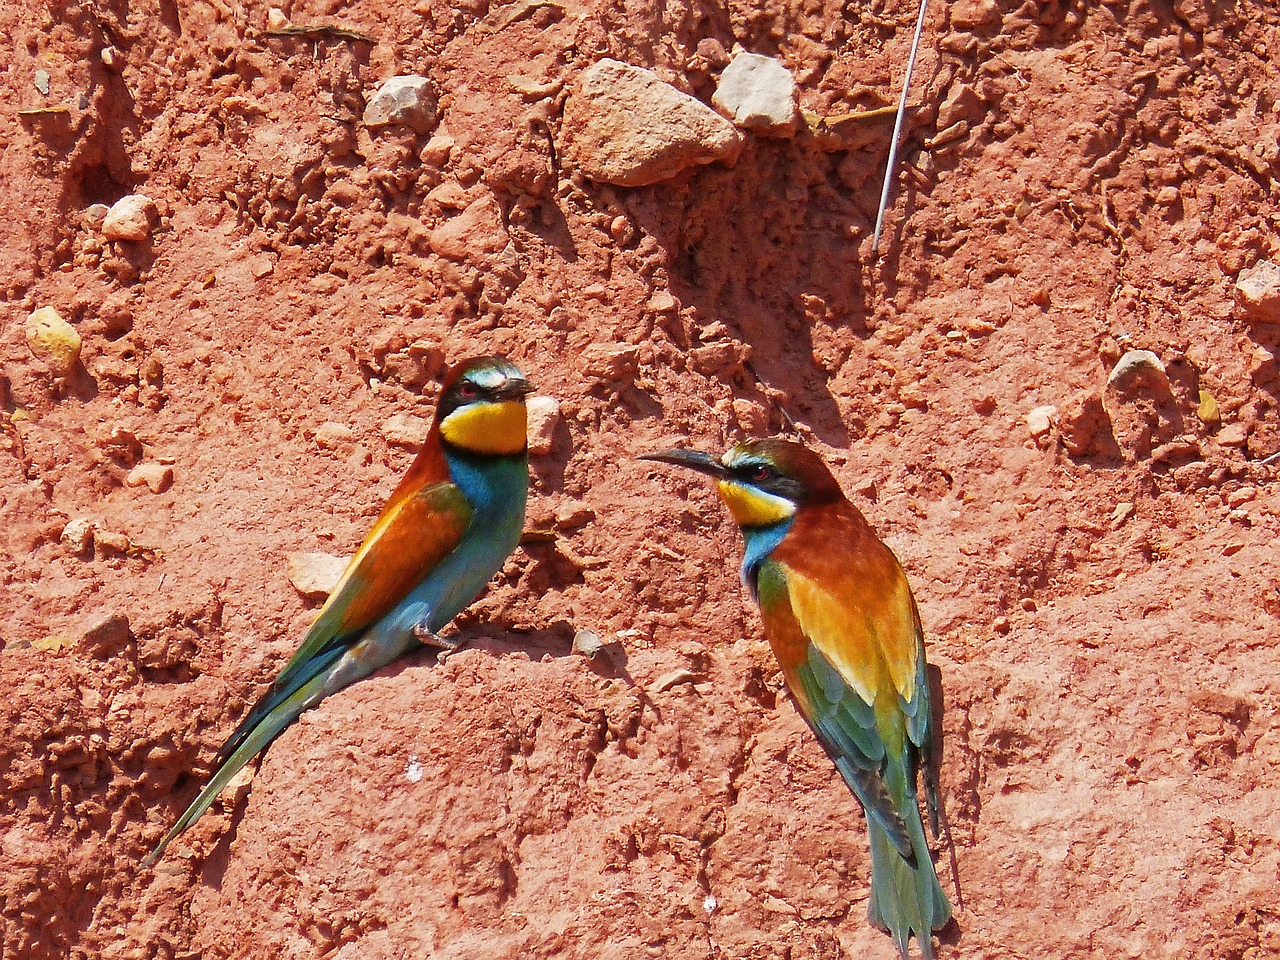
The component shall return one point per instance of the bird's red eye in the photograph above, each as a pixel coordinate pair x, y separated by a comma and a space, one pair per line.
467, 390
760, 472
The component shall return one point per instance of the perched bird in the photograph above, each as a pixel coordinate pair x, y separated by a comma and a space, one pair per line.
446, 529
841, 620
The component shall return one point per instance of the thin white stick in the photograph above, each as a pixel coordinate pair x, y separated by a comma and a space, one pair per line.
897, 128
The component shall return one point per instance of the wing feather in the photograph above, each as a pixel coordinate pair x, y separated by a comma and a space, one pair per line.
414, 532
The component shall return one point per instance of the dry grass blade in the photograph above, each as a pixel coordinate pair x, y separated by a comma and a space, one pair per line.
897, 127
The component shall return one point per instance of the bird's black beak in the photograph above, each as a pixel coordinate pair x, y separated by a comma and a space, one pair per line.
516, 388
693, 459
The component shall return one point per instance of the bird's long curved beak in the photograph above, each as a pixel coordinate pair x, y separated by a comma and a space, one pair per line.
693, 459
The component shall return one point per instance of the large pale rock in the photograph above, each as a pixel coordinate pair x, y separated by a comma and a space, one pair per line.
129, 218
1258, 292
156, 477
409, 100
544, 417
53, 340
759, 94
623, 125
1040, 420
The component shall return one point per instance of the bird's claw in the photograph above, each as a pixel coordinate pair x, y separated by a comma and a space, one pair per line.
443, 645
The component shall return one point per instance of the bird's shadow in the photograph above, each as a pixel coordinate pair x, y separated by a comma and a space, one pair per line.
937, 707
555, 641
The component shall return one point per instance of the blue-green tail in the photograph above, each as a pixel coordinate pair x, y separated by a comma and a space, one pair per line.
906, 897
250, 742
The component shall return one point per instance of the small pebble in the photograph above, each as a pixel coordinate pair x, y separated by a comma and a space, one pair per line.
662, 302
333, 435
129, 218
572, 515
587, 643
621, 231
408, 99
53, 340
1233, 435
94, 214
156, 477
1040, 420
1208, 410
673, 679
77, 536
758, 93
1138, 368
110, 542
42, 81
261, 267
1258, 292
436, 152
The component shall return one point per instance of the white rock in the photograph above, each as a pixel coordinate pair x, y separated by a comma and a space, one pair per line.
1138, 368
1040, 420
544, 417
129, 218
407, 99
77, 535
314, 575
1258, 292
625, 126
759, 94
587, 643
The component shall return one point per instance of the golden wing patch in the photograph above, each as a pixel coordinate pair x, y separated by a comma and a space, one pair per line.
871, 650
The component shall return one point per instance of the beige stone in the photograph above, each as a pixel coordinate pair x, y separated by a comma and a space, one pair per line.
53, 341
625, 126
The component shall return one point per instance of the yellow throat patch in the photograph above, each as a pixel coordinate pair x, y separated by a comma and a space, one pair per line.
490, 428
754, 508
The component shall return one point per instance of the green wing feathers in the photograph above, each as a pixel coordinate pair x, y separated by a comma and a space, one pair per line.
412, 534
877, 727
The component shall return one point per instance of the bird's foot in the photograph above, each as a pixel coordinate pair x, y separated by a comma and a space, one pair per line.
445, 646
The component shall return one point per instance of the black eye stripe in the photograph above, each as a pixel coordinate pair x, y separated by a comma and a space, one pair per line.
754, 472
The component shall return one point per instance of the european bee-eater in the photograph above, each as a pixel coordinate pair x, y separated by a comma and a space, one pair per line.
446, 529
843, 624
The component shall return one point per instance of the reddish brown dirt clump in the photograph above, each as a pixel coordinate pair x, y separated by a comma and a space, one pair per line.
1098, 583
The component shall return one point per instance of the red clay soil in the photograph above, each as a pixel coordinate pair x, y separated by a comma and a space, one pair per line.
1101, 600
